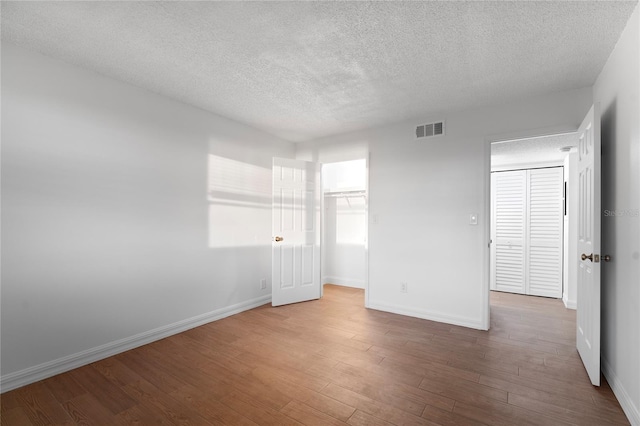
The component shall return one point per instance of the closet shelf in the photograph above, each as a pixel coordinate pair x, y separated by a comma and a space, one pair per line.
346, 194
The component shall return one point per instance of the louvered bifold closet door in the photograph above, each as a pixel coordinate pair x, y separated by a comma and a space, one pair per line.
508, 231
545, 222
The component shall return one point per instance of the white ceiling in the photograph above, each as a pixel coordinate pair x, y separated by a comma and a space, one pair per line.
304, 70
531, 151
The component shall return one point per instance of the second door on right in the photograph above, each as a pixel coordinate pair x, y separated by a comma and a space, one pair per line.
526, 231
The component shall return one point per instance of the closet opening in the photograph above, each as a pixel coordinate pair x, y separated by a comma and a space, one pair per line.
533, 228
345, 205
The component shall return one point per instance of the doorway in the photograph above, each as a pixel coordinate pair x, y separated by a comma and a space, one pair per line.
531, 196
344, 219
319, 227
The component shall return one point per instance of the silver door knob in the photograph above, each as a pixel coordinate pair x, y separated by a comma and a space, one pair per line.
606, 258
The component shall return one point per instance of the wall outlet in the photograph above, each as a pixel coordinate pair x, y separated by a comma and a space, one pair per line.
403, 287
263, 284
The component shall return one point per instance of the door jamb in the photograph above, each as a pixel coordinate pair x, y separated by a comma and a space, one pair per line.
486, 238
366, 230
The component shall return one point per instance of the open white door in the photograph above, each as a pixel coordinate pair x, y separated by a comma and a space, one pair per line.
588, 315
295, 261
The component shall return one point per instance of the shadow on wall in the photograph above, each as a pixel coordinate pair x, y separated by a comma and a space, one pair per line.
608, 202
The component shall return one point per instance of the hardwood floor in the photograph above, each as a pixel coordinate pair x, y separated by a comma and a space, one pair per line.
332, 362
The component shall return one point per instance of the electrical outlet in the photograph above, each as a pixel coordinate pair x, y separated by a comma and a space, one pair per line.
403, 287
263, 284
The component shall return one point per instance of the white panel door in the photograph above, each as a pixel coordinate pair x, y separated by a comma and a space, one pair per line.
588, 309
544, 236
508, 218
296, 232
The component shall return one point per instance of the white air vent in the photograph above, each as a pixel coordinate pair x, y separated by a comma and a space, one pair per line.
430, 130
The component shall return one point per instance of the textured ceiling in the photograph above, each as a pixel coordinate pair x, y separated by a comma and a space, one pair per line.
304, 70
532, 150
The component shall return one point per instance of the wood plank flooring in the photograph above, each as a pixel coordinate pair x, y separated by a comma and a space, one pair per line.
332, 362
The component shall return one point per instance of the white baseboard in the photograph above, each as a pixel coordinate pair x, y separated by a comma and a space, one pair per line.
569, 304
428, 315
51, 368
345, 282
628, 406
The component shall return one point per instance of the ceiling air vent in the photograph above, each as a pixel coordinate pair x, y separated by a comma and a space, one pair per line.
430, 130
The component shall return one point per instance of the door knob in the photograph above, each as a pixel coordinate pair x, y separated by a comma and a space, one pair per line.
278, 239
585, 257
606, 258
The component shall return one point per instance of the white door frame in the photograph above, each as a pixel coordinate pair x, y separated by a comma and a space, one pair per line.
366, 230
486, 248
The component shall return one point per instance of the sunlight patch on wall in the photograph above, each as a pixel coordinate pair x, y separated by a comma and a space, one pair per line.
239, 196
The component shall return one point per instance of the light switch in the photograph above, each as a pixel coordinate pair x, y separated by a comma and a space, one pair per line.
473, 219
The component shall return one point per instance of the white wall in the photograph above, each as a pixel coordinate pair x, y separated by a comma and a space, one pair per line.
570, 290
112, 210
345, 227
617, 90
422, 193
344, 242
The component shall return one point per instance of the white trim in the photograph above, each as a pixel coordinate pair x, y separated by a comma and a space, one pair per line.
367, 229
529, 165
428, 315
485, 248
629, 408
569, 304
345, 282
51, 368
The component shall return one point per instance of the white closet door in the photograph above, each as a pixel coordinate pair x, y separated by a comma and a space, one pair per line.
526, 230
544, 242
508, 231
